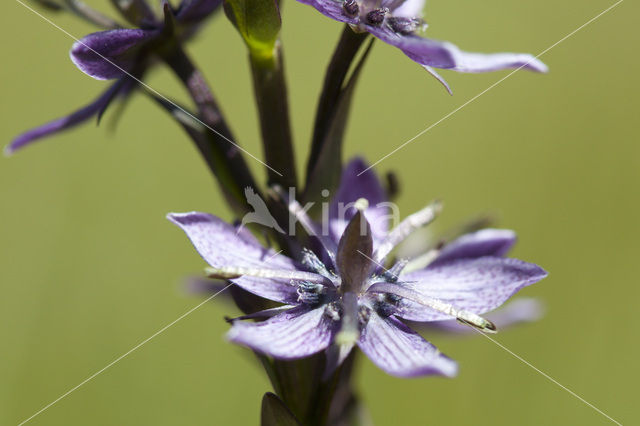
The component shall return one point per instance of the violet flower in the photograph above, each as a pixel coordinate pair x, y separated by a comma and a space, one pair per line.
396, 22
350, 298
127, 52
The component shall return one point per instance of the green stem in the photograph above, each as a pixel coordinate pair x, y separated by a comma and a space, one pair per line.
273, 108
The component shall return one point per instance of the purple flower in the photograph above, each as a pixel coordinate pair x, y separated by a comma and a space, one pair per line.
396, 22
349, 298
116, 53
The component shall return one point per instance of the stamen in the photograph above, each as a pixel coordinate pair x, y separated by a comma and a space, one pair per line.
404, 26
376, 16
351, 7
310, 259
391, 275
417, 220
310, 293
465, 317
333, 310
386, 305
422, 261
364, 313
230, 272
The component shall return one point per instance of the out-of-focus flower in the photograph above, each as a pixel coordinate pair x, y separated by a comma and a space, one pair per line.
396, 22
344, 296
117, 54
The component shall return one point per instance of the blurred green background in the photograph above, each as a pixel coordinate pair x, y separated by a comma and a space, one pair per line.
89, 267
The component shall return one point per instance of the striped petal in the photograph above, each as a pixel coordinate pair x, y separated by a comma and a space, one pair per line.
294, 334
486, 242
222, 245
402, 352
475, 285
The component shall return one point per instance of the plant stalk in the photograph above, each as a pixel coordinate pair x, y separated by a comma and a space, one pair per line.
273, 108
343, 55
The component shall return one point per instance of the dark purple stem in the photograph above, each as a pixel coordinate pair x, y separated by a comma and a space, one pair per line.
221, 152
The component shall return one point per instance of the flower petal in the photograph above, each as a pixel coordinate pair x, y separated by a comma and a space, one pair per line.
104, 55
222, 245
293, 334
442, 54
356, 183
409, 9
71, 120
332, 9
475, 285
402, 352
486, 242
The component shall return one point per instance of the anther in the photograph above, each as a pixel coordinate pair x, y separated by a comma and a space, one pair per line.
310, 293
376, 16
351, 7
333, 310
404, 26
487, 326
386, 304
310, 259
364, 314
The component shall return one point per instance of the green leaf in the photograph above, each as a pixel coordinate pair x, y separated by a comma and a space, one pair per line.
258, 22
275, 413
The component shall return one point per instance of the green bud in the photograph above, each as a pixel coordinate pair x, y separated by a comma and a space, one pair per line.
258, 22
